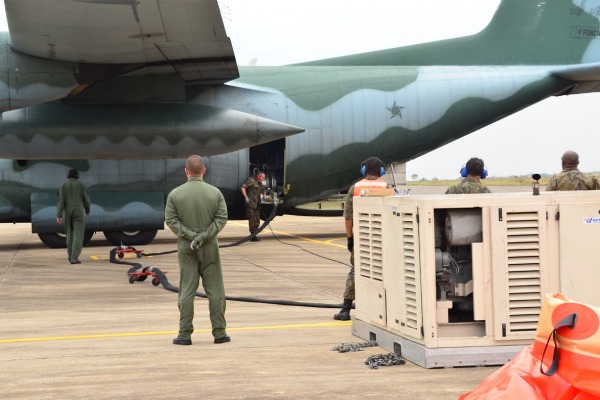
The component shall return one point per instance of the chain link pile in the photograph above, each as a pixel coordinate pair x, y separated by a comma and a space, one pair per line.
378, 360
346, 347
384, 360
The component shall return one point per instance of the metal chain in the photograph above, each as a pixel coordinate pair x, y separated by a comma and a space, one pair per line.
346, 347
385, 360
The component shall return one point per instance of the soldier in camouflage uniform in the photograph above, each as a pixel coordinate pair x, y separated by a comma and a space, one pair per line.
251, 190
373, 169
471, 184
73, 201
571, 178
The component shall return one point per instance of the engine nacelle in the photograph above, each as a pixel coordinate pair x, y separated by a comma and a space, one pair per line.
145, 131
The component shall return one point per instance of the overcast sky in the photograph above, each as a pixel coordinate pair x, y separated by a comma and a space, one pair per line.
278, 32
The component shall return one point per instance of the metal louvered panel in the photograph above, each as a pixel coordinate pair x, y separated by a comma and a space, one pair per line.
411, 282
524, 271
370, 242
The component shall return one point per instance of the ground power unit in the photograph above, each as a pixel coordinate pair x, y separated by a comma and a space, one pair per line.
458, 280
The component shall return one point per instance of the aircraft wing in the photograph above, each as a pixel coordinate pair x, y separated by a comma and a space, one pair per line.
186, 36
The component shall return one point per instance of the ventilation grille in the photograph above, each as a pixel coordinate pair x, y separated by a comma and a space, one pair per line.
409, 262
524, 271
370, 242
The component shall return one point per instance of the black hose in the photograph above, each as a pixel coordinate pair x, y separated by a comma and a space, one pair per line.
256, 232
159, 254
247, 238
162, 278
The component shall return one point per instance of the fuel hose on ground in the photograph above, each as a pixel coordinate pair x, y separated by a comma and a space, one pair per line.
259, 230
243, 240
162, 279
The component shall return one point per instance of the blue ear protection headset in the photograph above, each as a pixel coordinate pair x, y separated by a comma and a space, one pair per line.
363, 168
463, 172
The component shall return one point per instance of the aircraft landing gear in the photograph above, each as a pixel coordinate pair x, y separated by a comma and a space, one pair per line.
130, 238
59, 240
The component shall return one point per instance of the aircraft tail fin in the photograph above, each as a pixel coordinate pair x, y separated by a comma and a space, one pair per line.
521, 32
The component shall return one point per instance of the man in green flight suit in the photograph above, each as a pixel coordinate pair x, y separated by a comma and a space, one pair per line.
472, 172
251, 190
74, 202
196, 212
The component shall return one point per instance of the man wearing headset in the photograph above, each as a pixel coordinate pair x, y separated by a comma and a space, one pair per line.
73, 201
472, 172
372, 169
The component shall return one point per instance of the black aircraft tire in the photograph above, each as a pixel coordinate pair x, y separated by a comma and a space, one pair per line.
59, 240
130, 238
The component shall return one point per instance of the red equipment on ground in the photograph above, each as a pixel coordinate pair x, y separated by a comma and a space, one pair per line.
145, 273
121, 250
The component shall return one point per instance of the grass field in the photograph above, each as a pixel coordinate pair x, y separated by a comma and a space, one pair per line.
491, 181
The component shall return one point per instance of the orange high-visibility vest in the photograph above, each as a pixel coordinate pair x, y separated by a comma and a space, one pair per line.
367, 184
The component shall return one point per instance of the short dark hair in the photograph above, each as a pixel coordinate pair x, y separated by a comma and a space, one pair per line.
73, 174
570, 159
475, 166
373, 166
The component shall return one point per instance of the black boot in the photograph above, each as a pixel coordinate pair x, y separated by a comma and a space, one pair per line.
344, 314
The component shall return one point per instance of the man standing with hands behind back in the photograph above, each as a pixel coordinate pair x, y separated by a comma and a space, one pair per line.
196, 212
74, 202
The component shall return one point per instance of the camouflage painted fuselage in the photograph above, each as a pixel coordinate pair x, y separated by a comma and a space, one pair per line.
396, 113
126, 194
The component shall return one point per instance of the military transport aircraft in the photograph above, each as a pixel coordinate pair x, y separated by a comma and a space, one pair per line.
125, 90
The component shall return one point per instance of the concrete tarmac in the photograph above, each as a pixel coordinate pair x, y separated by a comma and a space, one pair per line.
83, 331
